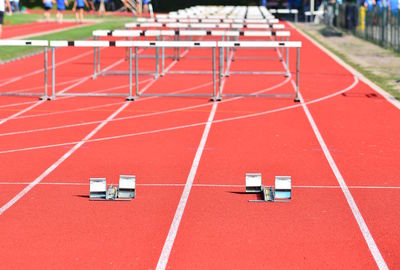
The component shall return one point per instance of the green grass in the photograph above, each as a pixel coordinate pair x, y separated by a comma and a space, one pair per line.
381, 81
83, 32
21, 18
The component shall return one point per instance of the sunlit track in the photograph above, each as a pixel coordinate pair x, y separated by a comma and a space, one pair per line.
140, 115
110, 104
189, 125
76, 146
77, 183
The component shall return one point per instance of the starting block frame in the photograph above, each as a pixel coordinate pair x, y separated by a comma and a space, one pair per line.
126, 190
281, 192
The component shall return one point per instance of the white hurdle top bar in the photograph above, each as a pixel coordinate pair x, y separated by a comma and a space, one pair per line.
158, 33
259, 44
15, 42
205, 25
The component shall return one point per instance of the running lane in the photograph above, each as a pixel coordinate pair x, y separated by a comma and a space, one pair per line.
73, 232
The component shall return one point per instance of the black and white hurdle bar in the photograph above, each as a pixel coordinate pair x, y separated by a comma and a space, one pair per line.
222, 45
206, 25
30, 43
177, 34
205, 20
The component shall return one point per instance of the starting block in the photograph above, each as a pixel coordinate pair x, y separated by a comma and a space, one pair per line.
282, 192
125, 191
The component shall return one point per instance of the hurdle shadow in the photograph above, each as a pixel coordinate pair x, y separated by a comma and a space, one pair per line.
83, 196
250, 196
362, 95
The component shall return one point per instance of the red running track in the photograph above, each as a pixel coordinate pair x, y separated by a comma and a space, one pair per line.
54, 225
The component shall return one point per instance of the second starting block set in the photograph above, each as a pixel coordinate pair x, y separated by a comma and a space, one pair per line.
125, 191
281, 192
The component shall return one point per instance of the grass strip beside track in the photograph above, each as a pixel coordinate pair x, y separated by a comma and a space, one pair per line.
84, 32
20, 18
381, 81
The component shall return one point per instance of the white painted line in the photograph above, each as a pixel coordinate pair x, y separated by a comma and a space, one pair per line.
59, 161
169, 242
66, 155
349, 198
42, 69
203, 185
188, 125
2, 121
391, 99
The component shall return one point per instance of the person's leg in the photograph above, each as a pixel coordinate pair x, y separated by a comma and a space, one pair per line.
81, 15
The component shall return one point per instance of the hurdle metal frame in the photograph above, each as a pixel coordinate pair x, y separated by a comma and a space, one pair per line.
259, 44
213, 45
32, 43
177, 34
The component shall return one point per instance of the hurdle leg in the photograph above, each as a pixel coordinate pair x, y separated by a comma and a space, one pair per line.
221, 70
214, 98
98, 60
178, 56
227, 60
162, 58
130, 97
45, 75
157, 62
53, 78
137, 73
297, 98
94, 60
287, 60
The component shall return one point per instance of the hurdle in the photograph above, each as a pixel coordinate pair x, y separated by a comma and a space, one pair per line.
171, 44
222, 45
177, 34
179, 25
33, 43
293, 12
83, 43
205, 20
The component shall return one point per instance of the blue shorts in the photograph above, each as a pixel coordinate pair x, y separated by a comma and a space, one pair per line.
146, 2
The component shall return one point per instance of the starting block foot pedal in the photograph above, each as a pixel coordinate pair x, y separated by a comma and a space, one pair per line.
253, 182
127, 187
98, 188
281, 192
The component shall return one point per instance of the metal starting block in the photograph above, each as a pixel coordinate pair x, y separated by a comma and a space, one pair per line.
125, 191
282, 192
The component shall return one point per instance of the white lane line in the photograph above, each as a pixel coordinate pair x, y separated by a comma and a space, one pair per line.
169, 242
59, 161
185, 126
70, 152
349, 198
391, 99
2, 121
203, 185
42, 69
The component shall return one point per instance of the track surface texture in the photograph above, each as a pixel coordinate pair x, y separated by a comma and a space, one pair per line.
190, 156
